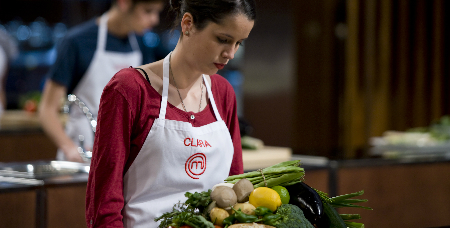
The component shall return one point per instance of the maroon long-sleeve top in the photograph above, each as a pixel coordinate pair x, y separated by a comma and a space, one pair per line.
129, 105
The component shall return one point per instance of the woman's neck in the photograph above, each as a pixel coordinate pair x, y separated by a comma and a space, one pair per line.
185, 76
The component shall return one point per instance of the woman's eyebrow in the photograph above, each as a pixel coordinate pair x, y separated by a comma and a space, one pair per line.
230, 36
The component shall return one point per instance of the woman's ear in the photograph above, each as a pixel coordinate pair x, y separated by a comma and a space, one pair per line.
187, 24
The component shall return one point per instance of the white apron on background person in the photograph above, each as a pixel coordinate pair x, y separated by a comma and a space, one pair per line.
3, 72
104, 65
175, 158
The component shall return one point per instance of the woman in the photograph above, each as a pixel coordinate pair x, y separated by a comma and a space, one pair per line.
87, 59
171, 126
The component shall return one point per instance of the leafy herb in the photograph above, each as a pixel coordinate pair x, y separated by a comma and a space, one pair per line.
189, 212
198, 200
177, 217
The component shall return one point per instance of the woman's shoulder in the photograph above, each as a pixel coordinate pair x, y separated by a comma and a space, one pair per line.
221, 85
126, 79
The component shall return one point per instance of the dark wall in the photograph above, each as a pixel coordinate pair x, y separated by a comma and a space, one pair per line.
292, 67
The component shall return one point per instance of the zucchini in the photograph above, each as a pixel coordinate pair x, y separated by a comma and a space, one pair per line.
335, 219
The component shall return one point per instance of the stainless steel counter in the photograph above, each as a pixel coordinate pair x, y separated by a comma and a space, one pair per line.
39, 177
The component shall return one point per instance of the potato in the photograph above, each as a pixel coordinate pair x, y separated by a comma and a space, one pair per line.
224, 196
218, 215
243, 188
247, 208
222, 184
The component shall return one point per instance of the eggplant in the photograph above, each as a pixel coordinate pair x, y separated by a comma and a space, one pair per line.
309, 201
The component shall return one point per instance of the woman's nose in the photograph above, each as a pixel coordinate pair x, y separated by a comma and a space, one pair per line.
229, 53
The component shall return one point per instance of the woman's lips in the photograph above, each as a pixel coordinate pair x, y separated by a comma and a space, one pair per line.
219, 66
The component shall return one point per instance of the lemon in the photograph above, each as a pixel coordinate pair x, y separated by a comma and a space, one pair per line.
284, 194
265, 197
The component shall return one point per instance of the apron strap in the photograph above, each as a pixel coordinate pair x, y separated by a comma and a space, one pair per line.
165, 92
133, 41
211, 98
102, 32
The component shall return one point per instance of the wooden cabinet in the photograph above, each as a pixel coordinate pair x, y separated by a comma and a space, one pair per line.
18, 209
66, 206
55, 206
401, 195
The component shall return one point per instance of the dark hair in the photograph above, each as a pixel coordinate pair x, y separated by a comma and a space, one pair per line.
204, 11
137, 1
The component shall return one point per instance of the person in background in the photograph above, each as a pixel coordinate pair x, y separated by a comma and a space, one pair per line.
171, 126
8, 52
87, 58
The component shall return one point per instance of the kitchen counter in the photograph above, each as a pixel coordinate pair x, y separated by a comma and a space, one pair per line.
402, 194
19, 120
43, 193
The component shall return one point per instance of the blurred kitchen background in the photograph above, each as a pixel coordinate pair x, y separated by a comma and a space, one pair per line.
355, 83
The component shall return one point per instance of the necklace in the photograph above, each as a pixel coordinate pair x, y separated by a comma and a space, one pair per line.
182, 103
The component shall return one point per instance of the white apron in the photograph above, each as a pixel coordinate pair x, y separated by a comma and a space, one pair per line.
175, 158
102, 68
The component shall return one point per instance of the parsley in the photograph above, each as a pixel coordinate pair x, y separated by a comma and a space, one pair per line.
189, 212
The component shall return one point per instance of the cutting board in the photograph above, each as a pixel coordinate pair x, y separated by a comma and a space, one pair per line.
20, 119
265, 157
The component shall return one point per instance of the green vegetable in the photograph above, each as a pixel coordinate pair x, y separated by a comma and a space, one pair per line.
279, 180
271, 219
344, 200
229, 221
283, 174
335, 219
261, 211
350, 216
189, 212
291, 216
198, 221
198, 200
244, 218
181, 215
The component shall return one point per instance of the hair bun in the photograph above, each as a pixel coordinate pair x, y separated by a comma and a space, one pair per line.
175, 5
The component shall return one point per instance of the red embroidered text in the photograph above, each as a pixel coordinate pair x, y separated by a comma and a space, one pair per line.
196, 142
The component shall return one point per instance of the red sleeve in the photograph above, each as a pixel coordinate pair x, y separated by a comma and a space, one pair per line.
104, 198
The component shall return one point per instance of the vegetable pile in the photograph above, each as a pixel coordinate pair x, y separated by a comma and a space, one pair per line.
257, 198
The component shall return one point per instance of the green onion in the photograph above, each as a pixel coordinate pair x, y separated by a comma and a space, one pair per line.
283, 174
350, 216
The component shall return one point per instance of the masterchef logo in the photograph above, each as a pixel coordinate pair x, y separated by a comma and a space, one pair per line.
196, 142
196, 165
